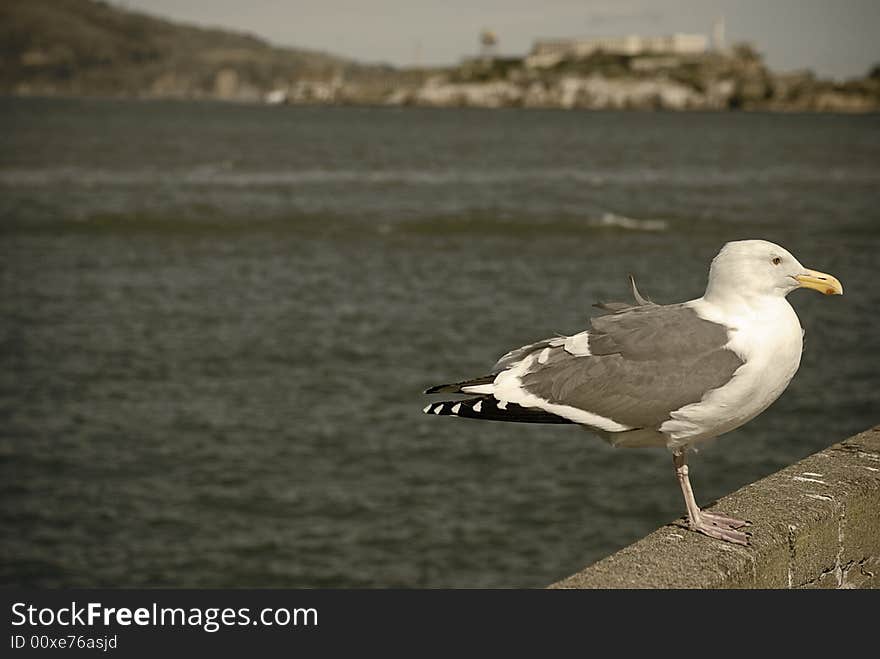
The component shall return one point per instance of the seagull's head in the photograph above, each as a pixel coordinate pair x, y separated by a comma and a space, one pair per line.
748, 268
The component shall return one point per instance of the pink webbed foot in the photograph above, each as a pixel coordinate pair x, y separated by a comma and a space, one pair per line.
721, 527
718, 519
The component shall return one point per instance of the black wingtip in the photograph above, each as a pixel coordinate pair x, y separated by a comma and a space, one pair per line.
455, 387
489, 408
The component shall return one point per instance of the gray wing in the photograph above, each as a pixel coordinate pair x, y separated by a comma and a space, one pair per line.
518, 354
634, 366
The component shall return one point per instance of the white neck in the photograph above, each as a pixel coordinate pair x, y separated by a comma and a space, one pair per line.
729, 297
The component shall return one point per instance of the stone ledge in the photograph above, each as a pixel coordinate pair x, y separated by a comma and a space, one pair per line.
816, 524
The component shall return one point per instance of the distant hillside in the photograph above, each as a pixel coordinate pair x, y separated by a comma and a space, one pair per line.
92, 48
88, 47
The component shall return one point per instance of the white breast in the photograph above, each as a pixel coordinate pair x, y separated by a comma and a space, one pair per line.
768, 337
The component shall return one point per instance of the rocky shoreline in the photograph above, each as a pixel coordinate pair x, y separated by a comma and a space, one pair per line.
738, 80
596, 92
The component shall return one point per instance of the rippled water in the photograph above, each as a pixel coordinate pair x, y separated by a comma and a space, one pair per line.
217, 321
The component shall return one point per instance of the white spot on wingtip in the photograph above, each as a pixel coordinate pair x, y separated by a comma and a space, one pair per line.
456, 408
479, 406
427, 408
439, 408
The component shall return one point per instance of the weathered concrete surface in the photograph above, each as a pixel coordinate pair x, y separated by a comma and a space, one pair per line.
816, 524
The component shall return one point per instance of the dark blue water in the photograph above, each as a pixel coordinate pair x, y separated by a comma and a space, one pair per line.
218, 319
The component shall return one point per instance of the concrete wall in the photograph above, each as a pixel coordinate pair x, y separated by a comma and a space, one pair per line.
815, 524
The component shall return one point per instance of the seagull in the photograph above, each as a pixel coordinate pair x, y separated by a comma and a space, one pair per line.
651, 375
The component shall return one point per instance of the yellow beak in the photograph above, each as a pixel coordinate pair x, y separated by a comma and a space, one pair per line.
827, 284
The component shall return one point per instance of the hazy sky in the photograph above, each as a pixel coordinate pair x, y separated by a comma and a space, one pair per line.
834, 38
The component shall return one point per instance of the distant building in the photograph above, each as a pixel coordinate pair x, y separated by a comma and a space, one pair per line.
549, 52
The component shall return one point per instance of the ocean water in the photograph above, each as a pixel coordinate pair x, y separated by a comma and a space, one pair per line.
217, 321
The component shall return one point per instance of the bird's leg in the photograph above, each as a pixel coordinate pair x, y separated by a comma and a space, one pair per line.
679, 459
712, 524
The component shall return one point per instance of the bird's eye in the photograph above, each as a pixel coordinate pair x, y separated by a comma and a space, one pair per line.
776, 260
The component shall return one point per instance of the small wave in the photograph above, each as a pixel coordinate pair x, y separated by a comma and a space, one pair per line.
524, 225
630, 223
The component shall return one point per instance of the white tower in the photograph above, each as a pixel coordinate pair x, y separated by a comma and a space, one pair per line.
488, 44
718, 35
